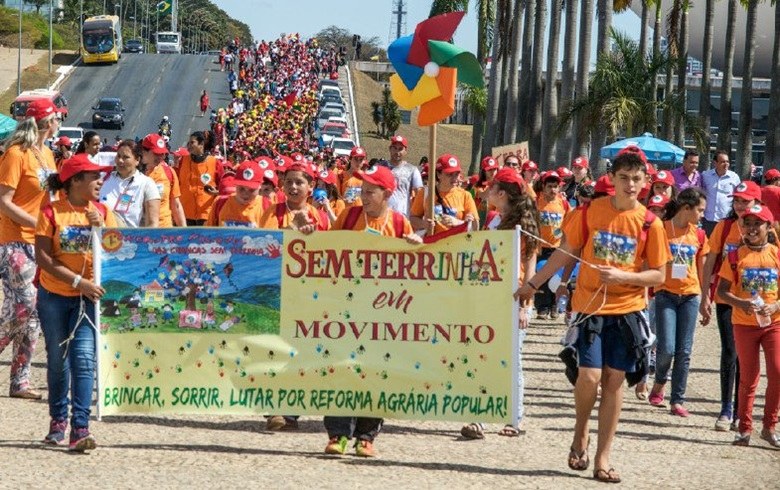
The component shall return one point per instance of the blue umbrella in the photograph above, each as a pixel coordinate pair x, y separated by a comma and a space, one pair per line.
7, 126
657, 150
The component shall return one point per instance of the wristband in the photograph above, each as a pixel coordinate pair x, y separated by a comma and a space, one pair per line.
76, 281
532, 285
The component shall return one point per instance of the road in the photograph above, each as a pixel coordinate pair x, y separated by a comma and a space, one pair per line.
150, 86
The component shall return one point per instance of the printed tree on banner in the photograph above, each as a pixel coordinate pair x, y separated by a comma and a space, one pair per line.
191, 280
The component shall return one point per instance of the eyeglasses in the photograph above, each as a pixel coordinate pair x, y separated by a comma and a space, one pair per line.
512, 164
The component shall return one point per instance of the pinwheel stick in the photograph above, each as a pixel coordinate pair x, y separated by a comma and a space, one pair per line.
431, 204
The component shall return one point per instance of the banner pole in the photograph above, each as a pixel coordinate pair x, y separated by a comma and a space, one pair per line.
97, 250
516, 395
431, 202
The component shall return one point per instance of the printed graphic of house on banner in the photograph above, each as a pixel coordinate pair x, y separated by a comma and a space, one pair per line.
153, 293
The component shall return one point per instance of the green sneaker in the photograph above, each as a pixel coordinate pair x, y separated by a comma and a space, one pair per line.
337, 445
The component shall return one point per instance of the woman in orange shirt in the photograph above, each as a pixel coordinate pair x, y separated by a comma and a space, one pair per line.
154, 151
677, 299
749, 282
552, 206
326, 195
67, 296
24, 168
199, 177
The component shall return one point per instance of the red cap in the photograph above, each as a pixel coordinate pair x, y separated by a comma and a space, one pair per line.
447, 163
747, 190
604, 184
761, 212
634, 149
79, 163
327, 177
580, 161
664, 177
65, 141
772, 174
357, 151
181, 152
301, 167
282, 162
266, 163
530, 165
424, 169
154, 143
551, 174
378, 175
510, 175
249, 174
298, 157
41, 109
564, 172
270, 176
473, 179
644, 191
650, 169
489, 163
399, 139
657, 201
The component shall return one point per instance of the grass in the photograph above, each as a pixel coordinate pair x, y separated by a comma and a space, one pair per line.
36, 76
452, 138
35, 31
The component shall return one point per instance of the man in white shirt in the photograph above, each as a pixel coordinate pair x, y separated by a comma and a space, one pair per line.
718, 184
407, 176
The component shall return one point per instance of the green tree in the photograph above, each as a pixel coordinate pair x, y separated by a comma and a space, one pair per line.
724, 131
563, 153
337, 37
705, 104
376, 116
773, 125
37, 4
745, 135
390, 112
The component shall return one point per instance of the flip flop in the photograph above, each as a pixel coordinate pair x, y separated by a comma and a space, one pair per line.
472, 431
579, 461
606, 476
509, 431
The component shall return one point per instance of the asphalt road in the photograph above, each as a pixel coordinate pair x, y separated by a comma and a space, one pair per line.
150, 86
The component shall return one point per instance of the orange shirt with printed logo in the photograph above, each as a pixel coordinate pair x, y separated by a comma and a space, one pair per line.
756, 271
269, 220
169, 190
193, 177
551, 215
719, 246
235, 214
350, 191
26, 173
612, 240
684, 249
71, 237
383, 224
457, 199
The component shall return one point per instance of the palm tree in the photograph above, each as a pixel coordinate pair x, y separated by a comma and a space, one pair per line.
673, 48
656, 56
773, 125
724, 132
486, 17
535, 105
494, 89
745, 138
550, 90
524, 100
563, 153
682, 71
705, 105
510, 125
579, 145
598, 135
643, 28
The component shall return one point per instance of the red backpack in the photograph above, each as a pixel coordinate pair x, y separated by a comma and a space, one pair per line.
727, 224
354, 213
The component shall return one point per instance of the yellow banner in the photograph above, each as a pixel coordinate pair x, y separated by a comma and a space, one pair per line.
238, 321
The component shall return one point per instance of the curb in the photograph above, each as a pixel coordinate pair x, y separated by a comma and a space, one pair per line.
64, 71
356, 132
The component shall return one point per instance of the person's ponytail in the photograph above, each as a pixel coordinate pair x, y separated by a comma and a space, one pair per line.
690, 197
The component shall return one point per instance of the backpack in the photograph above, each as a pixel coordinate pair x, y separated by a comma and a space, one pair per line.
219, 203
168, 173
354, 213
281, 210
727, 224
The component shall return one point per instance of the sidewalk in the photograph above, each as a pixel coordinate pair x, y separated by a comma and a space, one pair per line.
653, 448
8, 65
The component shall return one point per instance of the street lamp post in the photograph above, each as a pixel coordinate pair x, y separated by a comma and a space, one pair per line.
19, 58
51, 31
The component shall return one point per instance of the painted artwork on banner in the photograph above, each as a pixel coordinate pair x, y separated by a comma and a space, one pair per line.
268, 322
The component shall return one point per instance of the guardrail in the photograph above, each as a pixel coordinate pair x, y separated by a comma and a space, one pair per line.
355, 131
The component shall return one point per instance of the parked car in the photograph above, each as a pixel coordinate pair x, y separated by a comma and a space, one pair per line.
75, 133
323, 116
19, 105
329, 89
332, 106
327, 83
108, 112
332, 130
341, 146
331, 97
337, 119
134, 46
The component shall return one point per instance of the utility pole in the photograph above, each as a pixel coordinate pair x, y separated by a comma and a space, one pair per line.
19, 59
398, 20
174, 15
51, 33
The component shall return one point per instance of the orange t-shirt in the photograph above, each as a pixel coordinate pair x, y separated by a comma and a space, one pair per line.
269, 221
718, 246
457, 199
757, 271
684, 249
235, 214
530, 189
612, 240
350, 190
169, 190
192, 178
71, 243
551, 216
26, 173
383, 224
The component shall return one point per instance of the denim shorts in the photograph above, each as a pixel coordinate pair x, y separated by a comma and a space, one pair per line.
608, 348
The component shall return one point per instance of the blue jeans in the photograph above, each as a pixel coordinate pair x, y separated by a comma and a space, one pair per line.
71, 364
675, 317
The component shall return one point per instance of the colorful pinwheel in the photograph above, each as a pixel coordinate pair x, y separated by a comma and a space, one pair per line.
428, 68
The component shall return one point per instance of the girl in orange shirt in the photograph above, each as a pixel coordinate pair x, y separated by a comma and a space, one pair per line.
24, 168
245, 207
67, 296
749, 283
153, 153
553, 207
677, 299
326, 195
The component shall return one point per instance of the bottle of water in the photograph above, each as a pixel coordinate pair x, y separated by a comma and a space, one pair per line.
562, 302
758, 301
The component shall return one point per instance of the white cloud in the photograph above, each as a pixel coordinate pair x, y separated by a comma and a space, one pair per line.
125, 252
205, 252
261, 243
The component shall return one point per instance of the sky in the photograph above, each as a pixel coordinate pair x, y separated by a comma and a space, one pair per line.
269, 18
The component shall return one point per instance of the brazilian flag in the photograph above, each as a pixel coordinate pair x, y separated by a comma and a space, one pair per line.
164, 7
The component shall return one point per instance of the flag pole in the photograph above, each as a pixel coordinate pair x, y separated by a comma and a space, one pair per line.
431, 202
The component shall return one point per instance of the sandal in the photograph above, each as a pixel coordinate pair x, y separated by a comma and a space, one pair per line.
579, 461
472, 431
276, 422
741, 439
641, 391
606, 476
509, 431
